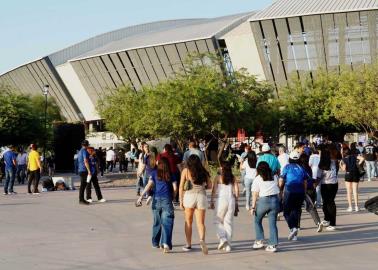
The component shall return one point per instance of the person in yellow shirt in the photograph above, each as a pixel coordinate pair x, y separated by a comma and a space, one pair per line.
34, 168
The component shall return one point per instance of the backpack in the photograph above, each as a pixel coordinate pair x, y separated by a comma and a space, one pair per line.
372, 205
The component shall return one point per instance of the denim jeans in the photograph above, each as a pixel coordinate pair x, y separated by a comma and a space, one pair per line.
10, 176
292, 204
21, 173
267, 205
248, 194
318, 195
370, 169
310, 206
164, 215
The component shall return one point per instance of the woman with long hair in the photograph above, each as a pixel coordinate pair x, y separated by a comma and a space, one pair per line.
173, 161
150, 160
266, 189
164, 190
227, 189
195, 179
349, 164
327, 174
249, 165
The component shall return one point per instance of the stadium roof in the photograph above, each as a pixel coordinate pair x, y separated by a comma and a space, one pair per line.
292, 8
187, 30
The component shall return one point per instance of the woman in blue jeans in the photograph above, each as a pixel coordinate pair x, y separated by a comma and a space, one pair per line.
265, 187
162, 207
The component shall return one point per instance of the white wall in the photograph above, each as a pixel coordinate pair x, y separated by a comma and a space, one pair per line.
77, 91
242, 48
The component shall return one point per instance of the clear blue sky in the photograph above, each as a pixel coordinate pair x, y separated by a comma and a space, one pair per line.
30, 29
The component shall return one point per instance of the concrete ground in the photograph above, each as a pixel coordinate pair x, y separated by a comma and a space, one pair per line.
52, 231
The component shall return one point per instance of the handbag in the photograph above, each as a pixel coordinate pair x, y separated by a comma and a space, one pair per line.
188, 185
236, 211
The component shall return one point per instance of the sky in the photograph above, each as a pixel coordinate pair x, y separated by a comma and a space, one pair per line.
30, 29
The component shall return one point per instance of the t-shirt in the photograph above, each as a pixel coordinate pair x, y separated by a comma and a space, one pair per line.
83, 154
9, 157
193, 151
294, 177
33, 159
265, 188
173, 160
162, 189
21, 158
314, 163
110, 155
283, 159
370, 152
329, 176
92, 164
250, 173
274, 165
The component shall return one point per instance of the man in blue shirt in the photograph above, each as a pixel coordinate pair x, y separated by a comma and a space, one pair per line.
84, 170
269, 158
293, 181
10, 170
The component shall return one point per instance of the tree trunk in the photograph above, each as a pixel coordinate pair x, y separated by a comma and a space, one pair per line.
222, 145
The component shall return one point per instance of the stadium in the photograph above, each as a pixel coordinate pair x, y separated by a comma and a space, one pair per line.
289, 37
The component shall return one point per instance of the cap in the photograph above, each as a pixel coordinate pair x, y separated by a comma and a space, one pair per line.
85, 143
265, 147
294, 155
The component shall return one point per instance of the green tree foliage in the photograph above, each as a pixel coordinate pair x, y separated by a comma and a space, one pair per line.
22, 117
356, 101
306, 106
198, 102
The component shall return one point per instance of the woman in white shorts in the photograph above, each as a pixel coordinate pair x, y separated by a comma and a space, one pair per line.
195, 179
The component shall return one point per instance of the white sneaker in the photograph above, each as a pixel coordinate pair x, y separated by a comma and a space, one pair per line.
293, 232
349, 209
356, 209
165, 248
295, 238
222, 244
102, 200
258, 244
187, 248
331, 228
320, 227
90, 200
149, 199
227, 248
325, 223
271, 248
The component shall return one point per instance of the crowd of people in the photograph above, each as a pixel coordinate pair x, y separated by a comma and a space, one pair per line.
273, 181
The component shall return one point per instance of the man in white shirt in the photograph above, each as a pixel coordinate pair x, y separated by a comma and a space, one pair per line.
283, 157
110, 158
21, 166
314, 163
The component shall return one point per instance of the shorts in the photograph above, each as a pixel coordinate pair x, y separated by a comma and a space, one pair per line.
196, 200
352, 177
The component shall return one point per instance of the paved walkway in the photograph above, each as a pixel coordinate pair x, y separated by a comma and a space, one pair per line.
52, 231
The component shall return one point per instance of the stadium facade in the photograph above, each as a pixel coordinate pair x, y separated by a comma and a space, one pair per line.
288, 38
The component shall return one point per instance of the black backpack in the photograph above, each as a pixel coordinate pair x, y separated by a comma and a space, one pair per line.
372, 205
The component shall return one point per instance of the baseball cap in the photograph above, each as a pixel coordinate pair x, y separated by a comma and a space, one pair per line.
265, 147
294, 155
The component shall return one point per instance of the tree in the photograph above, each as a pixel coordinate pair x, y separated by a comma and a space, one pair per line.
200, 101
355, 103
22, 117
307, 106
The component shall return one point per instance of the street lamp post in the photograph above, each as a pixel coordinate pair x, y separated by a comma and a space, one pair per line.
45, 93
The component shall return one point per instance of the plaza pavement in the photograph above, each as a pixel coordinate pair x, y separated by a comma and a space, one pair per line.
52, 231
